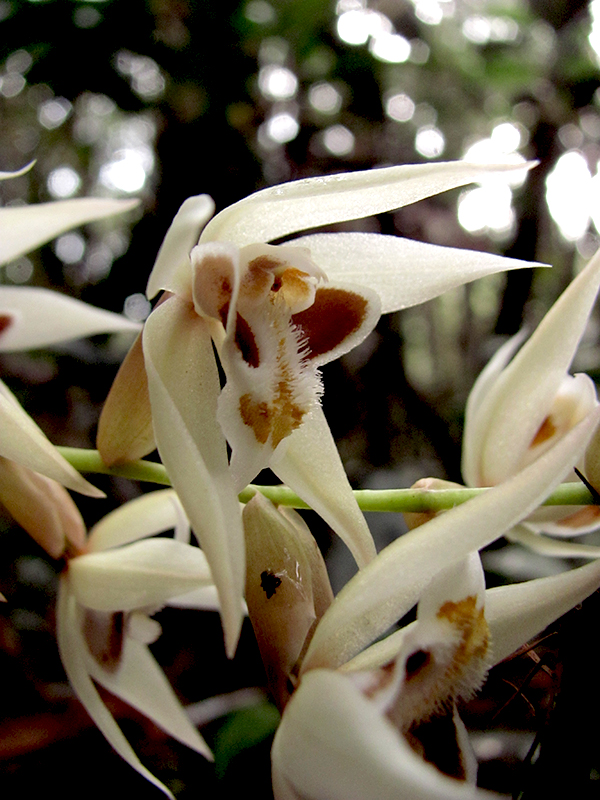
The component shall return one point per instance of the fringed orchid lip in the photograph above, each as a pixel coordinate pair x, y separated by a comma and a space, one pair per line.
282, 320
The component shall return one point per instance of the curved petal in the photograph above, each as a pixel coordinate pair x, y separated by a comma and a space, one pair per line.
551, 547
42, 507
72, 649
23, 442
24, 228
334, 744
171, 269
184, 387
141, 575
519, 612
141, 683
296, 206
145, 516
31, 317
475, 427
5, 176
125, 430
403, 272
389, 586
308, 462
524, 392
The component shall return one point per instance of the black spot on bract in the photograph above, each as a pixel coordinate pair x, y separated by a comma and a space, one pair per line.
269, 583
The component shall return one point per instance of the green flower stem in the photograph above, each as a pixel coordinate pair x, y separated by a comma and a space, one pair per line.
419, 500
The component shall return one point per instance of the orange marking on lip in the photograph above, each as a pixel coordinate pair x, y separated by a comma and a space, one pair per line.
546, 431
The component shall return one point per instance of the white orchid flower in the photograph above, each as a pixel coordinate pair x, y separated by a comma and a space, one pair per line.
522, 404
32, 472
352, 729
274, 314
103, 625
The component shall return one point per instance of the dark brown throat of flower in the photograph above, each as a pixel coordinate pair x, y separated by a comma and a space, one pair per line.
6, 320
335, 315
104, 634
437, 741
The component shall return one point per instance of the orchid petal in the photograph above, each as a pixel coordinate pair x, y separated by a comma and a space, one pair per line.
518, 612
23, 442
184, 386
389, 586
125, 430
403, 272
296, 206
334, 744
522, 397
142, 684
171, 269
26, 227
31, 317
144, 516
551, 547
204, 599
6, 176
144, 574
322, 482
476, 430
42, 507
73, 656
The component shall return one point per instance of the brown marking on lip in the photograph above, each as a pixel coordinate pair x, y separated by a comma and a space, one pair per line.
334, 315
6, 320
257, 416
416, 663
212, 284
265, 262
104, 634
584, 516
282, 415
546, 431
472, 624
246, 342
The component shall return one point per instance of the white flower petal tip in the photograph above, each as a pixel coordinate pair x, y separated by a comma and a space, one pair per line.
335, 744
312, 202
516, 410
5, 176
24, 443
172, 267
403, 272
26, 227
518, 612
31, 318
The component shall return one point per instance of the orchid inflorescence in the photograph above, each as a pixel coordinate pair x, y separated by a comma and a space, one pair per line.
355, 695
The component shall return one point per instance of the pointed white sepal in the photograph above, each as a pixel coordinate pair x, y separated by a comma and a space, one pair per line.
34, 317
26, 227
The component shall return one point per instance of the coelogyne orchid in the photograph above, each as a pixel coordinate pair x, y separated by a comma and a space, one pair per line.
275, 314
518, 408
106, 595
353, 727
32, 472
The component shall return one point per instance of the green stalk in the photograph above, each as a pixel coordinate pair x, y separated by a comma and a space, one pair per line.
419, 500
